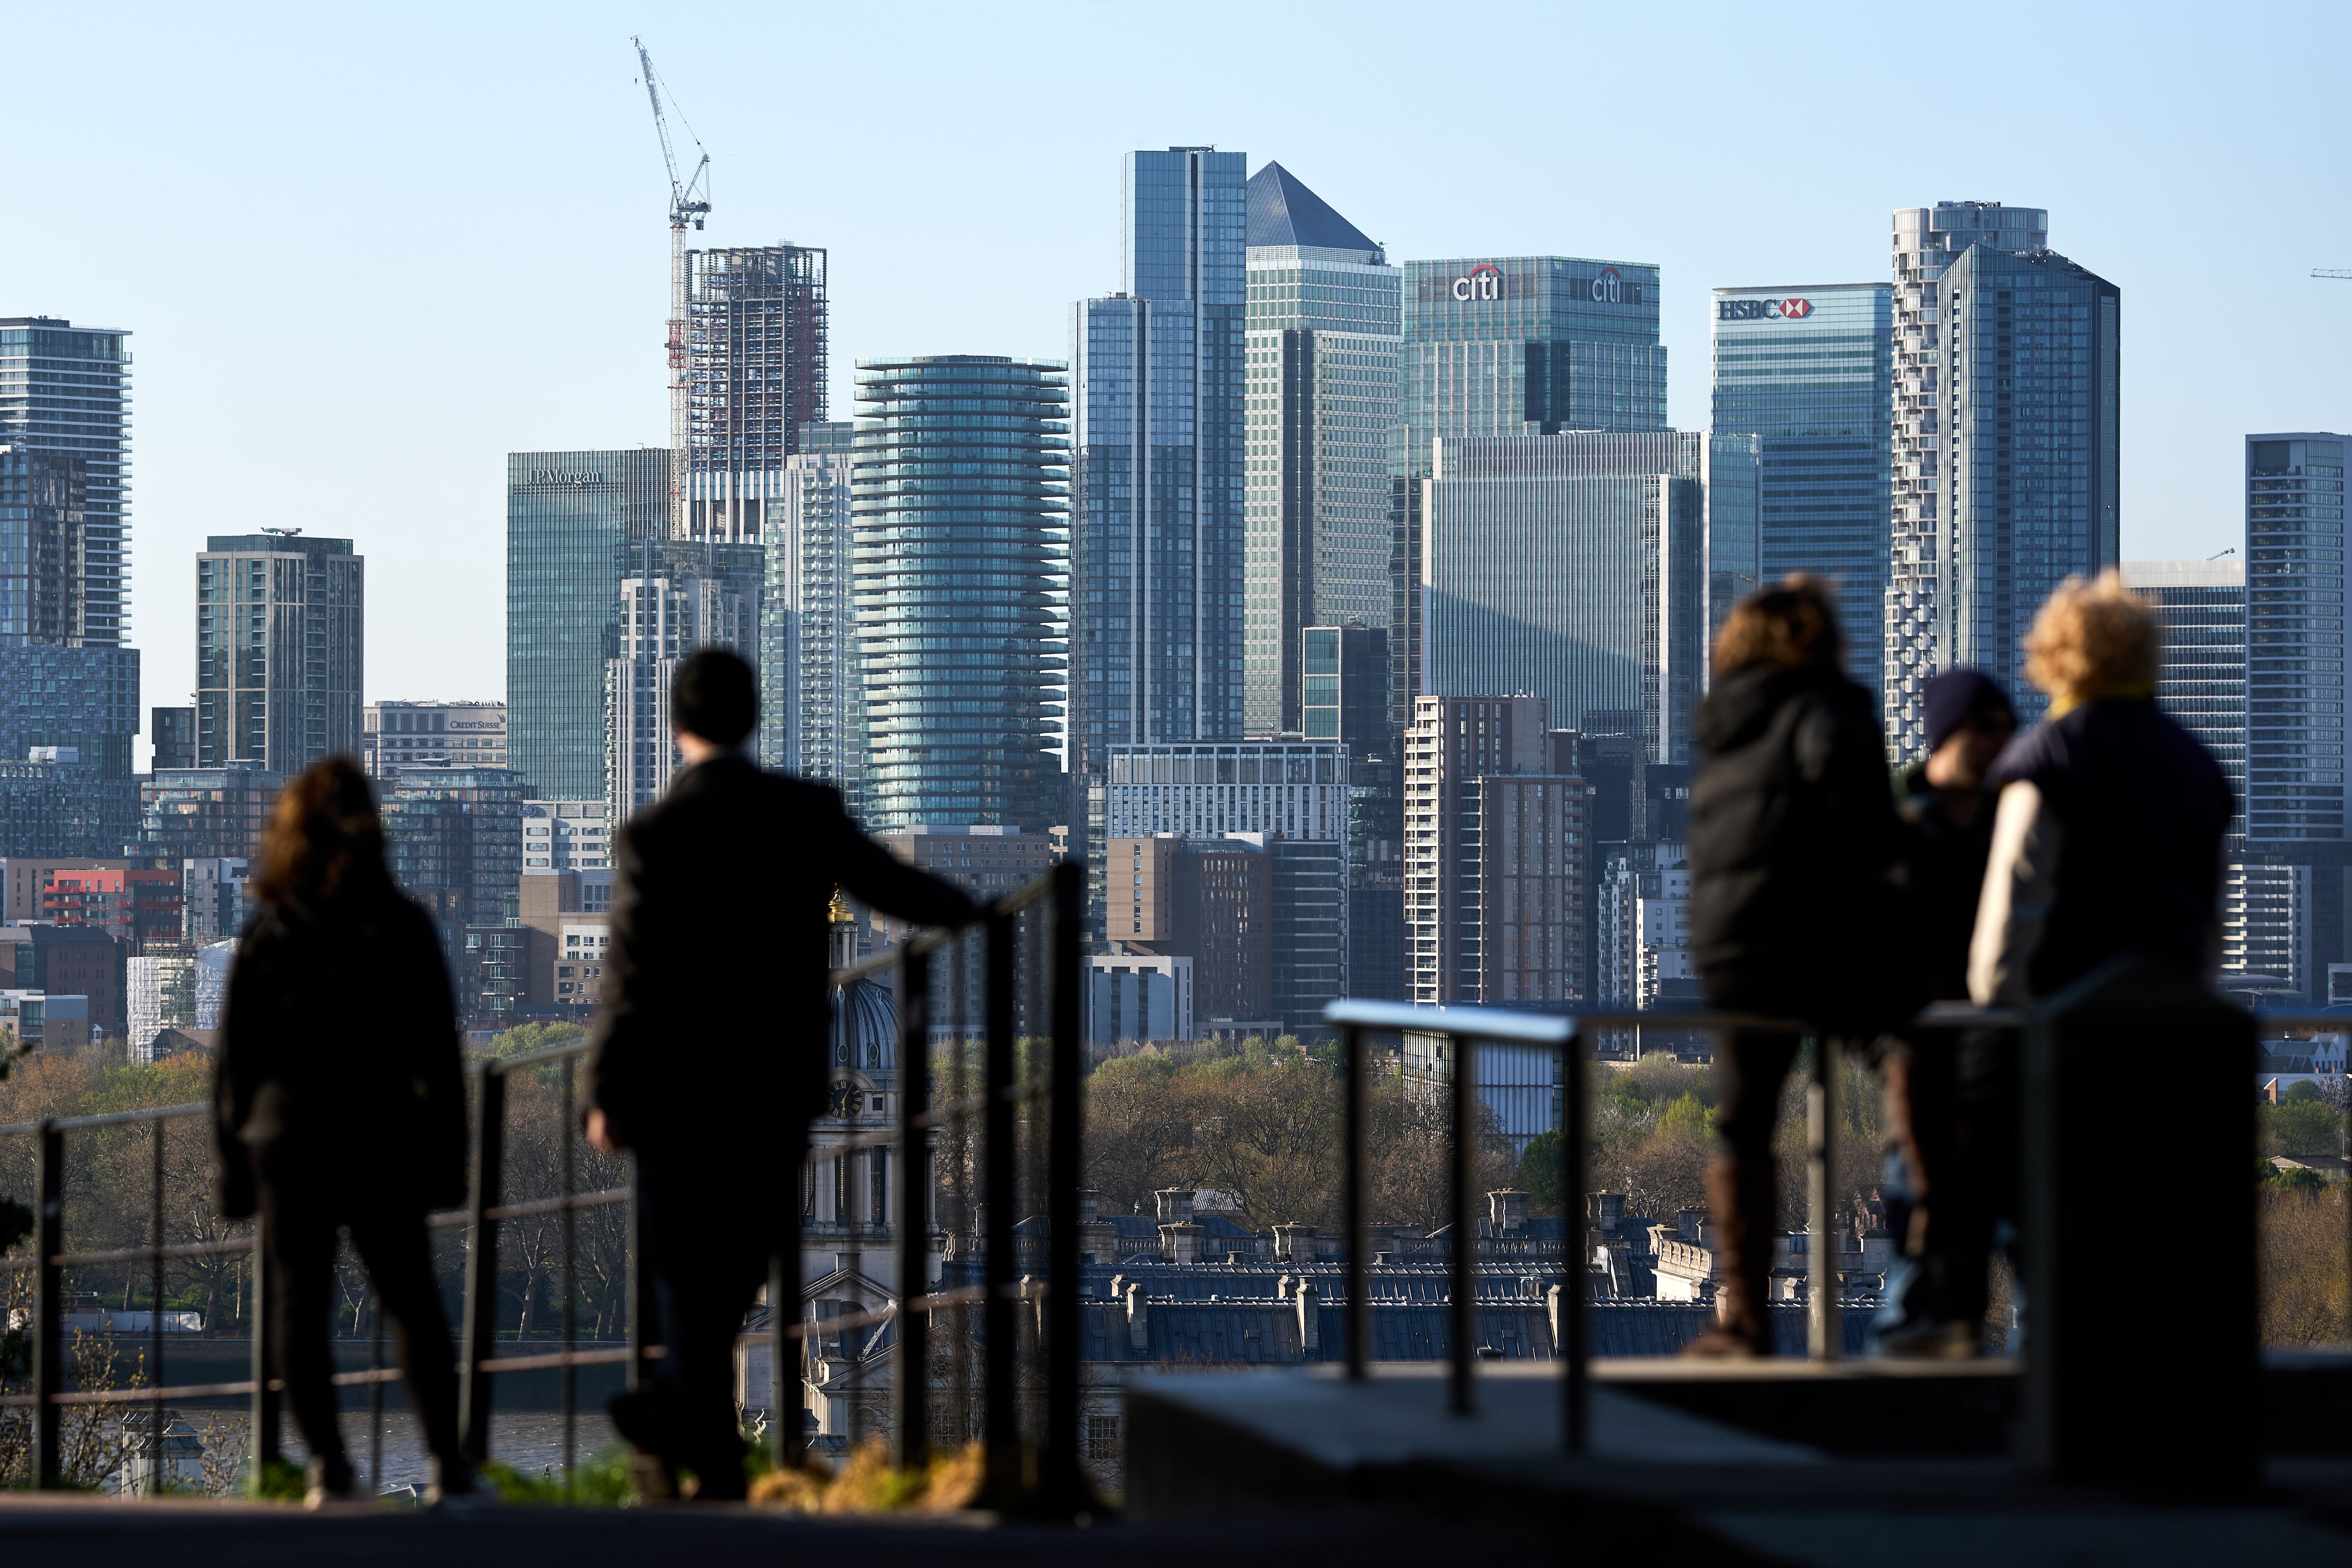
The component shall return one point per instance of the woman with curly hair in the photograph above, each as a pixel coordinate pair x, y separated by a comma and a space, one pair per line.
340, 1102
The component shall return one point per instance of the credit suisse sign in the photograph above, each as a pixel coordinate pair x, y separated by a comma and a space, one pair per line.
1762, 309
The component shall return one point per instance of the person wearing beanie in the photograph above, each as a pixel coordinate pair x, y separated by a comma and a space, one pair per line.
1947, 812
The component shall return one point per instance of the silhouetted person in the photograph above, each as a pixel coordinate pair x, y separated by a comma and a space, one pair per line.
1946, 802
340, 1100
1793, 844
711, 1045
2107, 841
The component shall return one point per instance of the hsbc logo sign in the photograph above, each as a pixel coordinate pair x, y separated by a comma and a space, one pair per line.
1762, 309
1484, 281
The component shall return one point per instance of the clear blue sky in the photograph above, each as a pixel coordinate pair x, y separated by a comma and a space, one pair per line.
367, 252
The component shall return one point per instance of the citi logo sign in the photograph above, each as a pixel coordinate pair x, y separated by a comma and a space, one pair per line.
1609, 288
1762, 309
1484, 281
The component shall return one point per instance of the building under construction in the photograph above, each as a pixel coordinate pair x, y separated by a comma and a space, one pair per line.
755, 379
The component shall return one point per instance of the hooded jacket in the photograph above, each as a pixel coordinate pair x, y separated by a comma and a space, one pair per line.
1792, 840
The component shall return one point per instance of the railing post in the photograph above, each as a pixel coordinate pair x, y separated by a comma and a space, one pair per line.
1359, 1306
1824, 1324
571, 1285
265, 1403
482, 1268
49, 1349
914, 1235
1465, 1260
642, 1326
787, 1352
1002, 1194
1062, 1480
375, 1398
155, 1312
1576, 1281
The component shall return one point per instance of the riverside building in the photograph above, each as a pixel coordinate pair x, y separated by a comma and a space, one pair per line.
1509, 346
1325, 318
1809, 370
1157, 584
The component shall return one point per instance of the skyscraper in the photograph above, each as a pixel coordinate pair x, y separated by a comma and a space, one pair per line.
65, 393
1927, 239
1808, 369
1157, 584
281, 620
572, 519
757, 326
674, 604
1570, 567
1323, 324
2028, 407
1514, 346
65, 676
960, 561
811, 708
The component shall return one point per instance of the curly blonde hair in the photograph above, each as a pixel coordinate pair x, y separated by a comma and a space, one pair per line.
2095, 637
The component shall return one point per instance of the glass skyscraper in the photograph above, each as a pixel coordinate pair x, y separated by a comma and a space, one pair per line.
758, 320
1926, 240
1324, 319
1808, 369
961, 560
281, 643
65, 393
1156, 482
1510, 345
1570, 568
2296, 667
574, 520
811, 708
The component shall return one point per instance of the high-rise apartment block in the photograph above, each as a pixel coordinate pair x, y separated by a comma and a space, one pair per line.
1509, 346
1157, 584
1569, 567
565, 836
1298, 790
811, 703
280, 650
1324, 325
205, 812
401, 734
663, 618
1920, 570
174, 733
1495, 848
1343, 675
961, 548
1209, 900
576, 522
1809, 370
65, 412
756, 330
454, 839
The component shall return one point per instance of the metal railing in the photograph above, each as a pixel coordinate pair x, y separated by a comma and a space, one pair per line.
1057, 1487
1571, 1034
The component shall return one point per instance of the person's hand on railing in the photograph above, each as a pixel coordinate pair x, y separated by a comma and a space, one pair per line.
600, 1135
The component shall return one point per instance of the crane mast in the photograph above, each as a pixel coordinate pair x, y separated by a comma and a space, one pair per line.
688, 202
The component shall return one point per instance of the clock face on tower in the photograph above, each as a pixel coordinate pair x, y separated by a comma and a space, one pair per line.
847, 1099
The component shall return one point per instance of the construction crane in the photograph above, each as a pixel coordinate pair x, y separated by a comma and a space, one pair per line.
2332, 272
688, 202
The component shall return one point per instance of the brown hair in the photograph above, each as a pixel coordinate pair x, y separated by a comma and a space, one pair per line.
2095, 637
1794, 622
324, 836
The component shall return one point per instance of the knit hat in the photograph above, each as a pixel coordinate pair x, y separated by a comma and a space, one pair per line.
1958, 696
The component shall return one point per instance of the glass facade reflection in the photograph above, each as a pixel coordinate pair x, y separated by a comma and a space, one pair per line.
571, 518
1810, 369
2295, 629
960, 558
1156, 476
1511, 345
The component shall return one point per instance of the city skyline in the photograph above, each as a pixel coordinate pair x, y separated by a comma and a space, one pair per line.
459, 375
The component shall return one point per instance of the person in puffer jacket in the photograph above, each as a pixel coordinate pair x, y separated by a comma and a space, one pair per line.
1795, 914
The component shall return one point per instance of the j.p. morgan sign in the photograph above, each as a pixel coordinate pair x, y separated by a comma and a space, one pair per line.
1762, 309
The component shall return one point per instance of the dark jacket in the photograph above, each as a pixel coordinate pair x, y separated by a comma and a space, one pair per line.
713, 1034
1943, 873
338, 1065
2121, 852
1793, 838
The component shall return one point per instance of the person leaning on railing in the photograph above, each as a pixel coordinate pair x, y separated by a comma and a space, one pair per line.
340, 1100
1794, 912
2108, 840
710, 1053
